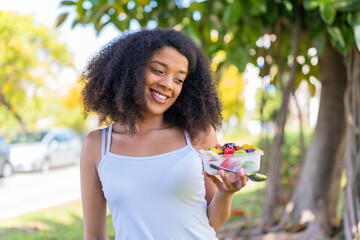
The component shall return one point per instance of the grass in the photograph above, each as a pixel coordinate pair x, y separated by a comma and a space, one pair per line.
60, 222
66, 221
246, 205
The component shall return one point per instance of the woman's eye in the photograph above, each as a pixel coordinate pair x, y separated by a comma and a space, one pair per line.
178, 80
158, 71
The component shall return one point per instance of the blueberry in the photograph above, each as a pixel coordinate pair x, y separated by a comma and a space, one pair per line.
230, 145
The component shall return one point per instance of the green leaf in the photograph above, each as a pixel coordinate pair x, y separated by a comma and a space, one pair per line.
98, 27
255, 7
327, 13
232, 13
353, 18
347, 34
272, 12
60, 19
215, 22
121, 25
142, 2
357, 36
310, 4
355, 23
74, 23
275, 81
217, 7
349, 18
251, 33
98, 12
314, 32
336, 37
318, 38
238, 57
312, 89
298, 79
345, 5
80, 19
198, 6
206, 31
67, 3
193, 33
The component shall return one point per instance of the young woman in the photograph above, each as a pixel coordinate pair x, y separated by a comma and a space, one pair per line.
155, 91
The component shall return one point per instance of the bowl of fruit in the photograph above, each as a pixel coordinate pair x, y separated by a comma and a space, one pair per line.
231, 157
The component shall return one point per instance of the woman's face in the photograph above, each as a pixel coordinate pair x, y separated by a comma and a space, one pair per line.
165, 74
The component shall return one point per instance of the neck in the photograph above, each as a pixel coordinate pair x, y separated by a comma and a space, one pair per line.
149, 124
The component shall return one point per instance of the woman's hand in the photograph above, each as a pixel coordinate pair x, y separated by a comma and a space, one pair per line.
229, 183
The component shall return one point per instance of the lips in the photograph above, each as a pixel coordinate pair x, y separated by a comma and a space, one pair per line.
158, 97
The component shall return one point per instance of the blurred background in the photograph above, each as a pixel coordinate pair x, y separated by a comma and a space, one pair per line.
289, 78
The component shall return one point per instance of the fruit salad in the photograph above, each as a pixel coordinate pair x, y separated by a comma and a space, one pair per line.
231, 156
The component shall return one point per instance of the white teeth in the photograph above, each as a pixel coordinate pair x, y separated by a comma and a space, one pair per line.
159, 95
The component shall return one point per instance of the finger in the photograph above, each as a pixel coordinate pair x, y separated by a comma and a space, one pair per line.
233, 177
242, 177
225, 179
247, 178
214, 179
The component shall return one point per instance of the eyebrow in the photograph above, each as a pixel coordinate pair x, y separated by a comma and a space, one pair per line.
165, 65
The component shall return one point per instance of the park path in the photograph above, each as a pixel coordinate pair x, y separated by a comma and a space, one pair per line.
28, 192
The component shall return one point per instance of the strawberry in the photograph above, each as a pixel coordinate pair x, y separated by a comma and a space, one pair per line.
228, 151
226, 164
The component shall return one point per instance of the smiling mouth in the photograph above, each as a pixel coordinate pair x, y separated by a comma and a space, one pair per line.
158, 97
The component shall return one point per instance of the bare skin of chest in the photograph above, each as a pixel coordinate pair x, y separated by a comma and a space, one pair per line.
150, 143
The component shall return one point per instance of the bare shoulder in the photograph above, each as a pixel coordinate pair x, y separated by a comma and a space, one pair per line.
206, 139
92, 140
91, 148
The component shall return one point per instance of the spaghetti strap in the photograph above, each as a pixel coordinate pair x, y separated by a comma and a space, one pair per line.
109, 139
103, 142
188, 141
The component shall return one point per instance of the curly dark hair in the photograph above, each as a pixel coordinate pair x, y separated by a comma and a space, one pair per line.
114, 82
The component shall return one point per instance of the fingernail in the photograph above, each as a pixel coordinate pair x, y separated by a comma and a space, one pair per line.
241, 171
222, 173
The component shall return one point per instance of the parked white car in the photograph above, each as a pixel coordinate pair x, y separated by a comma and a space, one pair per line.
42, 150
6, 169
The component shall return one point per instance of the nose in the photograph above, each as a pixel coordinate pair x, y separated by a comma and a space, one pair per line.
166, 82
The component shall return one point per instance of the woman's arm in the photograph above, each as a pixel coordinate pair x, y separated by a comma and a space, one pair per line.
220, 206
220, 190
93, 201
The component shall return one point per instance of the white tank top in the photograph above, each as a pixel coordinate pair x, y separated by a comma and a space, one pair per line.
158, 197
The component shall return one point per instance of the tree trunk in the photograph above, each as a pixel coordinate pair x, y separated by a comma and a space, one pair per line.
351, 210
16, 115
273, 184
315, 197
301, 133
